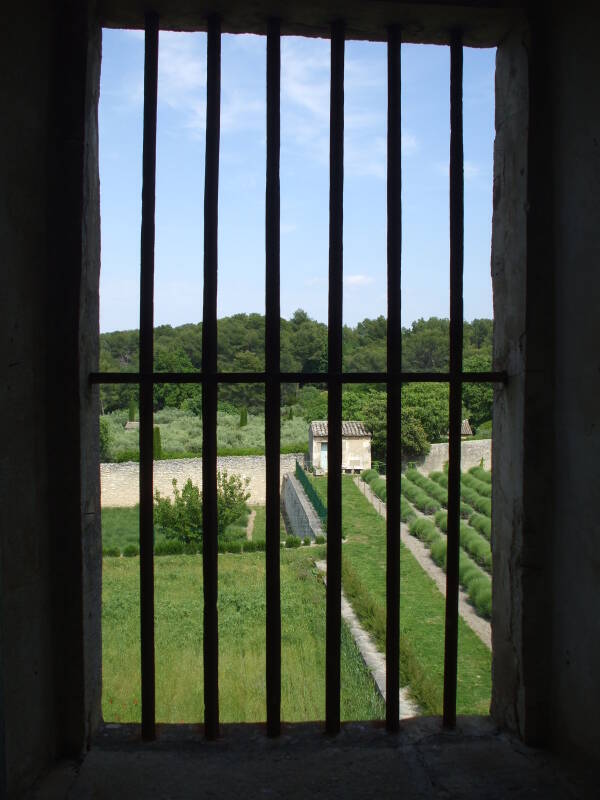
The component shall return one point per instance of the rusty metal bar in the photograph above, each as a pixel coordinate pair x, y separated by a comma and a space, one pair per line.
209, 381
272, 387
456, 352
146, 385
334, 398
394, 368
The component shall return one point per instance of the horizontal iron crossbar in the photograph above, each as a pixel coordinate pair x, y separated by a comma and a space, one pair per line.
297, 377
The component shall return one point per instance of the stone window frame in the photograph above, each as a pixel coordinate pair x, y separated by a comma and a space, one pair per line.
514, 703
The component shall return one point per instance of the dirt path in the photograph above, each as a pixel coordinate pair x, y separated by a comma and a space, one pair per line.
478, 625
250, 525
374, 660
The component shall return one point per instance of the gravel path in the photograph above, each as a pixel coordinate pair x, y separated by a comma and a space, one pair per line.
478, 625
374, 660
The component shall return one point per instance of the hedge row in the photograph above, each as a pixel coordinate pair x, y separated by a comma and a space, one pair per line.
482, 524
481, 474
470, 540
470, 496
311, 493
419, 498
379, 488
173, 547
475, 582
482, 488
430, 487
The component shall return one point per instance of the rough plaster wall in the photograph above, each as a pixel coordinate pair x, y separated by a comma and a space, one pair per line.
508, 272
89, 331
576, 579
26, 630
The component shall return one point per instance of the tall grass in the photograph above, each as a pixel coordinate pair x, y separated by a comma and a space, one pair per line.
179, 669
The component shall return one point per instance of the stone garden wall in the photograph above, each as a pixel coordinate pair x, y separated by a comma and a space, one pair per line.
120, 482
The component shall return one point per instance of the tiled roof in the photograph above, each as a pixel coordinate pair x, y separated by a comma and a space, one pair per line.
465, 428
349, 429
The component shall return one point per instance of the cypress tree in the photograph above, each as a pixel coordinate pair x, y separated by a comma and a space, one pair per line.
243, 417
157, 445
131, 409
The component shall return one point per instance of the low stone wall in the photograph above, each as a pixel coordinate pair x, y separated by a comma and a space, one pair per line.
301, 516
119, 483
470, 456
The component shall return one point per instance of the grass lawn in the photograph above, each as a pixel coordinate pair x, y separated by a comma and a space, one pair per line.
421, 611
121, 527
179, 674
260, 525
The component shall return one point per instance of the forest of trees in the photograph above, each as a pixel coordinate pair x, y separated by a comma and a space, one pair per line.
304, 349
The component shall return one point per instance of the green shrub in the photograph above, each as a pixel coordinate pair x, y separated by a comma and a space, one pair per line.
441, 520
466, 511
168, 547
481, 487
131, 550
105, 439
306, 541
293, 541
482, 524
481, 474
485, 428
477, 547
440, 478
131, 410
243, 417
111, 552
379, 488
407, 513
438, 552
320, 539
424, 529
369, 475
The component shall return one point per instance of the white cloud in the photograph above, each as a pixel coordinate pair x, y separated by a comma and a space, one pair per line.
358, 280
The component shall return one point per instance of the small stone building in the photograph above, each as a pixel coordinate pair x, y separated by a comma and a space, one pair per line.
356, 446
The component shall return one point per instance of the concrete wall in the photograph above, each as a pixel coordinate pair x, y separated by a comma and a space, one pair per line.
471, 454
301, 516
120, 482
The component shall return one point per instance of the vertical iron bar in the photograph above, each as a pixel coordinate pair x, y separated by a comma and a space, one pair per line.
456, 348
209, 383
394, 368
272, 387
334, 402
146, 384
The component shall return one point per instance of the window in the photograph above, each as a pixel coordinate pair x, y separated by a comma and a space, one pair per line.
272, 378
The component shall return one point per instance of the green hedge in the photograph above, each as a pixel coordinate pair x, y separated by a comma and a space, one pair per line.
481, 487
311, 493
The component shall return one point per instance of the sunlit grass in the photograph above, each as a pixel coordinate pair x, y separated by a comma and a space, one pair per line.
179, 670
422, 611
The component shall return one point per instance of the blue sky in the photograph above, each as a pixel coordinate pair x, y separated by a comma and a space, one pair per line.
304, 178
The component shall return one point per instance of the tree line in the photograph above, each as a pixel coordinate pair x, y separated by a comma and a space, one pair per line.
240, 344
